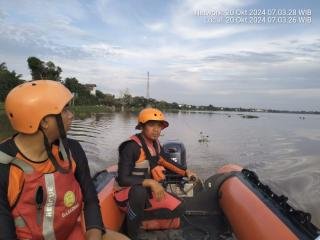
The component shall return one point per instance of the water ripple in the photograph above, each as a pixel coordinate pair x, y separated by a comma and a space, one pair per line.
281, 148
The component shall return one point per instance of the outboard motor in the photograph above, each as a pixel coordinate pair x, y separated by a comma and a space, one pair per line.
176, 152
175, 183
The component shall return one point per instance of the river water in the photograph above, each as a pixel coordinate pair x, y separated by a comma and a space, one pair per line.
284, 149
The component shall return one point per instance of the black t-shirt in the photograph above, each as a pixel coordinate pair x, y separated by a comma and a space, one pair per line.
129, 153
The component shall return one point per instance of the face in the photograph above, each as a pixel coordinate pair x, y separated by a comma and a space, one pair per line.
152, 129
67, 117
50, 126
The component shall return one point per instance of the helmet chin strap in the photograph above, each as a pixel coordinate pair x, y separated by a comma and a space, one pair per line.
62, 147
62, 131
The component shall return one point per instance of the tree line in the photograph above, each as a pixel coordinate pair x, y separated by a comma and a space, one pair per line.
48, 70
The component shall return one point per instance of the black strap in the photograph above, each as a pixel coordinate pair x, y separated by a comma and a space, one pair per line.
152, 159
62, 131
53, 159
213, 184
63, 135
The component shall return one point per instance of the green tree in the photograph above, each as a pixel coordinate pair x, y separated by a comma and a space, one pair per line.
8, 80
82, 94
72, 84
109, 100
126, 98
52, 72
36, 68
42, 70
139, 102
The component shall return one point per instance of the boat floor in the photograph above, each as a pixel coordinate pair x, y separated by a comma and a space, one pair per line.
193, 227
201, 221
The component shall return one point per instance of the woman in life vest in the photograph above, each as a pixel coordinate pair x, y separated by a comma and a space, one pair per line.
45, 182
140, 171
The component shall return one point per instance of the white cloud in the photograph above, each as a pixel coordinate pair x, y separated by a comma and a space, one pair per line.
47, 10
188, 32
103, 49
187, 25
297, 93
114, 13
156, 26
179, 49
215, 5
2, 15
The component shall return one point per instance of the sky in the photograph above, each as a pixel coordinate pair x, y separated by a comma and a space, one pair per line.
229, 53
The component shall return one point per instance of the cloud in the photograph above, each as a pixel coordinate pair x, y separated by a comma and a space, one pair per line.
188, 32
103, 49
2, 15
48, 21
156, 26
186, 24
116, 13
46, 10
215, 5
297, 93
114, 44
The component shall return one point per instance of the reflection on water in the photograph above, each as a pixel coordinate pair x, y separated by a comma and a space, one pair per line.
282, 148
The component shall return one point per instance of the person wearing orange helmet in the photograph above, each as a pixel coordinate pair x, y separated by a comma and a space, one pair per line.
140, 172
45, 182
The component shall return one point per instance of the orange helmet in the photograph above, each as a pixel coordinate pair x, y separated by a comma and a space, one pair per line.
151, 114
27, 104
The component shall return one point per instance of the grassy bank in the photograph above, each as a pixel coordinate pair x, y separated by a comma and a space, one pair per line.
91, 109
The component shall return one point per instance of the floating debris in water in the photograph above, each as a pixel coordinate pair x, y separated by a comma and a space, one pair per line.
203, 138
249, 116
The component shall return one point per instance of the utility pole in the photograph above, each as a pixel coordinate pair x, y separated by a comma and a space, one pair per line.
148, 92
148, 88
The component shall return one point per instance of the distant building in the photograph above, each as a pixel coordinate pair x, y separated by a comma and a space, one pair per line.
92, 88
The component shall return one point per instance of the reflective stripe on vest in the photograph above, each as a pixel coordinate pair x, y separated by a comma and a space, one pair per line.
59, 212
142, 166
5, 158
48, 228
25, 167
62, 150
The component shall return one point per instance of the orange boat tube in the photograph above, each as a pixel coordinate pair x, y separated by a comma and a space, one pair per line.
250, 213
112, 216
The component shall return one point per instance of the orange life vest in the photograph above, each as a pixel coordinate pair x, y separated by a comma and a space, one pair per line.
49, 205
148, 165
150, 162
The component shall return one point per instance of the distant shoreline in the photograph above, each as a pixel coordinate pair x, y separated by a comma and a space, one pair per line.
103, 108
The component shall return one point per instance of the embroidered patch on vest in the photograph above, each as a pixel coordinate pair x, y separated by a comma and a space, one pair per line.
69, 199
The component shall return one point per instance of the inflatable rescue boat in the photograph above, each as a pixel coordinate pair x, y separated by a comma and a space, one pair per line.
231, 204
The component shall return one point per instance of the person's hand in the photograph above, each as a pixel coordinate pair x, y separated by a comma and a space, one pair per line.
158, 173
94, 234
191, 175
113, 235
156, 188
